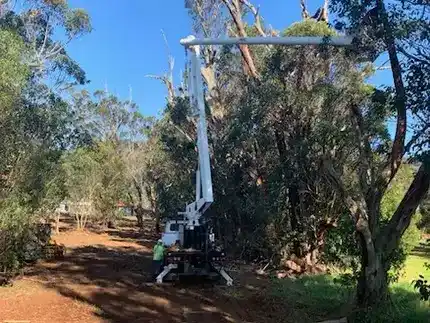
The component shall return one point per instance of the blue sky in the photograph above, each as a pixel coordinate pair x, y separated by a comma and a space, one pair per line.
127, 44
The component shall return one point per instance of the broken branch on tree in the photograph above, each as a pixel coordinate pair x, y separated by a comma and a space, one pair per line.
257, 17
167, 78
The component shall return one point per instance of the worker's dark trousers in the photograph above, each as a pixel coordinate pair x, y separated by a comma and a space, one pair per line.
156, 267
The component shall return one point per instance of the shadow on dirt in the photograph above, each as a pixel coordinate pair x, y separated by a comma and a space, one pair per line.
114, 281
141, 237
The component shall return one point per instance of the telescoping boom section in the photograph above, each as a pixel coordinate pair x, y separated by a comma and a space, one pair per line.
204, 192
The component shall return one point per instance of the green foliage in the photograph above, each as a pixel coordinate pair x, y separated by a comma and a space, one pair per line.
14, 227
346, 279
77, 22
114, 166
13, 73
82, 174
36, 125
309, 27
424, 223
46, 56
391, 200
423, 288
342, 249
59, 4
284, 124
111, 188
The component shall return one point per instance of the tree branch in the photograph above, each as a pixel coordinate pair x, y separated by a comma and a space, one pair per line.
401, 219
305, 12
45, 39
182, 132
415, 137
397, 150
257, 18
411, 56
365, 150
234, 7
167, 78
355, 208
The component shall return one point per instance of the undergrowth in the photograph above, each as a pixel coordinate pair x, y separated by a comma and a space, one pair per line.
329, 297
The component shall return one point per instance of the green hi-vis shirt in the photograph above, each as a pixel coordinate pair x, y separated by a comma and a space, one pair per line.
158, 252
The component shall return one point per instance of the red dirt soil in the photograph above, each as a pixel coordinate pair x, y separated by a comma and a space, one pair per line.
102, 278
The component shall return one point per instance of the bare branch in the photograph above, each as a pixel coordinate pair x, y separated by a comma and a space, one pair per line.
45, 38
355, 208
365, 172
305, 12
257, 18
383, 68
157, 77
167, 78
411, 56
182, 132
171, 65
55, 50
415, 137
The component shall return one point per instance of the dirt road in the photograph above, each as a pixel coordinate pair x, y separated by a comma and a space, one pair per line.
103, 279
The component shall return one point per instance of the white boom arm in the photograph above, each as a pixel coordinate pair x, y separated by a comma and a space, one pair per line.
204, 193
290, 41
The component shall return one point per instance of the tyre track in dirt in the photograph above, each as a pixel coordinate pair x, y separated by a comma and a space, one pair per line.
102, 278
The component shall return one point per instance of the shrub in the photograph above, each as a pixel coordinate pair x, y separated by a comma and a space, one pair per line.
14, 228
423, 288
21, 238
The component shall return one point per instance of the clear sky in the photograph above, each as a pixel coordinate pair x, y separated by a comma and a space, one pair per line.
126, 43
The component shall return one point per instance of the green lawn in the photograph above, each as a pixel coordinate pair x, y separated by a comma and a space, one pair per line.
414, 267
322, 298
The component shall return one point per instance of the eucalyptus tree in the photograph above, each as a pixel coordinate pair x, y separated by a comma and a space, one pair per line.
397, 30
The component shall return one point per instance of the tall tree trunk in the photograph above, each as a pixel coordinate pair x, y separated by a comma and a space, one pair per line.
373, 281
372, 287
57, 222
138, 211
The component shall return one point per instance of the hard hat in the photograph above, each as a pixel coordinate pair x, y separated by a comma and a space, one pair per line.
160, 241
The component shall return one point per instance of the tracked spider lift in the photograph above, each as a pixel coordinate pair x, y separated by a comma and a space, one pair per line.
196, 254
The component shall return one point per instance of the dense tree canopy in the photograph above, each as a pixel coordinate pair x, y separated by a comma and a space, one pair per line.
305, 172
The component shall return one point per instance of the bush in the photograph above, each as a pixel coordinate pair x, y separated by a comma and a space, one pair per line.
423, 288
14, 227
21, 239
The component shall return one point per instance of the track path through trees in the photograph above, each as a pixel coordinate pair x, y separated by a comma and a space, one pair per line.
103, 278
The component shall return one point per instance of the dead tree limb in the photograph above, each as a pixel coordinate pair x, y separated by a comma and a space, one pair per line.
305, 12
257, 17
167, 78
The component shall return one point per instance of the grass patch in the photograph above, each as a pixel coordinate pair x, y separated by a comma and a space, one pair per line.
318, 295
414, 267
321, 298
